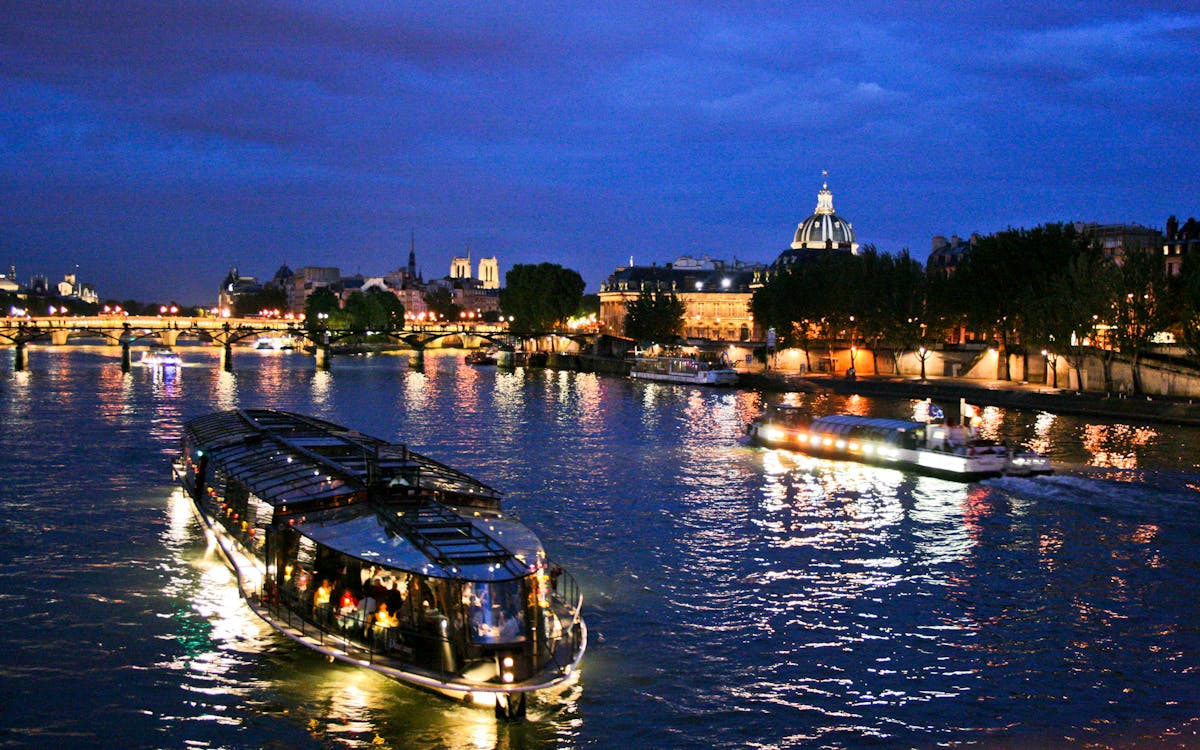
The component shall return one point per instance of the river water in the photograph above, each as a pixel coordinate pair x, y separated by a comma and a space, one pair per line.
735, 597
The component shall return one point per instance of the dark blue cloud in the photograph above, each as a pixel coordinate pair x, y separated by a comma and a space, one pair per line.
156, 144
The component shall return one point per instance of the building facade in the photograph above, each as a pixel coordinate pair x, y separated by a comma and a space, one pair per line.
1119, 240
1180, 240
474, 295
946, 255
716, 296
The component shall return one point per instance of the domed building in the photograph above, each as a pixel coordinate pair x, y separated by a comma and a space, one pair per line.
823, 231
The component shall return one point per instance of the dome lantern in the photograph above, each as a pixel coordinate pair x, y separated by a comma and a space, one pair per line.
825, 230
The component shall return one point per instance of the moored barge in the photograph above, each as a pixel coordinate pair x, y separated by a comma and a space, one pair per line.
691, 370
378, 556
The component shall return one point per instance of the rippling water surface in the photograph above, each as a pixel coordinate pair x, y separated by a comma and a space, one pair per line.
735, 597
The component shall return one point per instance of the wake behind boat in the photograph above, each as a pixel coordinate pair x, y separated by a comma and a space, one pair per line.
946, 450
378, 556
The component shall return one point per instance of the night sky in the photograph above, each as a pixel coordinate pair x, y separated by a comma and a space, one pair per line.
150, 146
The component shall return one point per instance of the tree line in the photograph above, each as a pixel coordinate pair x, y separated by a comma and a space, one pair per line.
1048, 289
537, 297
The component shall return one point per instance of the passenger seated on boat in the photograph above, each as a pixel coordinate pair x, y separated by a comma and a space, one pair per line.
366, 613
383, 628
956, 434
321, 607
511, 628
348, 613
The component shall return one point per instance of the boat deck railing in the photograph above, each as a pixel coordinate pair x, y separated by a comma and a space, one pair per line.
427, 650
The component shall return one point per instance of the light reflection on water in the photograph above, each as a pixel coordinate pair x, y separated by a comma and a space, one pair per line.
736, 597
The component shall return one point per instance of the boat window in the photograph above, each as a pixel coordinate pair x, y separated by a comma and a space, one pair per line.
497, 612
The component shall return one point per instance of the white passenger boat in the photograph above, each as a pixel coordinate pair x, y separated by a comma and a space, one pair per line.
691, 370
932, 448
383, 558
160, 356
274, 343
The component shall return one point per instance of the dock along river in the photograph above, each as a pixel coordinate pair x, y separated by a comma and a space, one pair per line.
735, 597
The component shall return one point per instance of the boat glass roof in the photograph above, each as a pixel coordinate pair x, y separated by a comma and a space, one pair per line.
433, 540
843, 423
288, 458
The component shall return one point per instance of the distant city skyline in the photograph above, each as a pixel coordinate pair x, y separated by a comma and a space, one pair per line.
150, 148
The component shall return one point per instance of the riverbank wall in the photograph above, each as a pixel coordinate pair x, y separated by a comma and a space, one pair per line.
1163, 373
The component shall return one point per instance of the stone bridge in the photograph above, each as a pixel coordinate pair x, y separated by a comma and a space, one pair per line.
127, 331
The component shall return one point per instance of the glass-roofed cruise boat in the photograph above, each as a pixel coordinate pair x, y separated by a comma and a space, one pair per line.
378, 556
945, 450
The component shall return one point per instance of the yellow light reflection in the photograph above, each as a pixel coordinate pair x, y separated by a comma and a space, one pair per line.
1042, 426
1115, 446
322, 387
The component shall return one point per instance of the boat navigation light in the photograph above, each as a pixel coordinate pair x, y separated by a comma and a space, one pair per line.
508, 662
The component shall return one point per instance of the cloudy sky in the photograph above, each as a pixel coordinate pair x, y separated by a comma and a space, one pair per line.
151, 145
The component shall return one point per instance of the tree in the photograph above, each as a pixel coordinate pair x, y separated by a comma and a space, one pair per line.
1076, 298
654, 316
541, 297
320, 308
828, 298
1188, 294
1141, 307
374, 310
889, 294
440, 300
254, 304
1006, 280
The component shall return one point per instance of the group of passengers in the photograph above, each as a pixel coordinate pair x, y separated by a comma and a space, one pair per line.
372, 606
956, 435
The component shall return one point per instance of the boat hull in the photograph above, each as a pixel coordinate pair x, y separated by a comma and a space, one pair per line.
710, 377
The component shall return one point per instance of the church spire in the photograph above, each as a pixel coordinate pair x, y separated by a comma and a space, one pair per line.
412, 254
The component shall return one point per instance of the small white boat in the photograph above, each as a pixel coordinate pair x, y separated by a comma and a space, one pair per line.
481, 357
274, 343
692, 370
931, 448
160, 356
